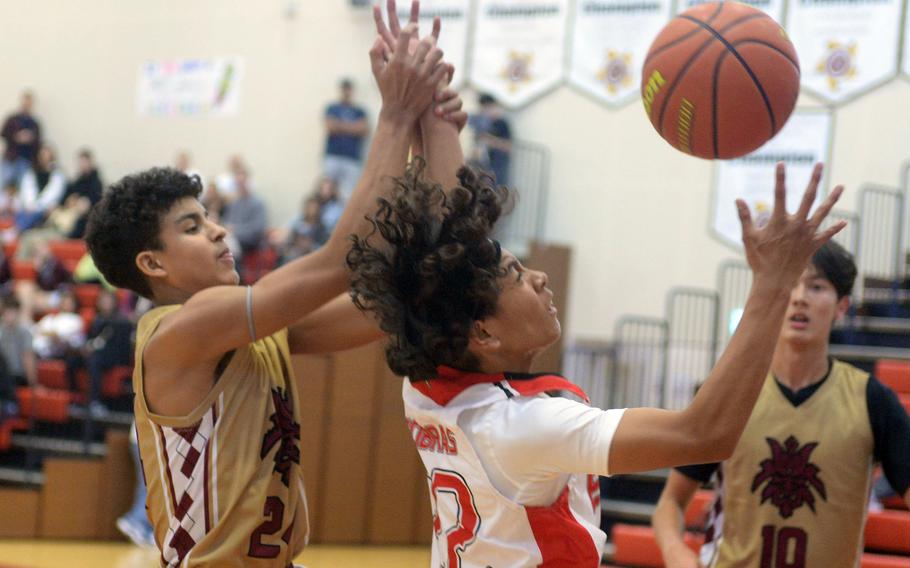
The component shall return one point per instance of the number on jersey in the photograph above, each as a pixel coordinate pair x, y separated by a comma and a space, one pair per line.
459, 523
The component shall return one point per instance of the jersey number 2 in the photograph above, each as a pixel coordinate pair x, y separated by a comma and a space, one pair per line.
274, 513
784, 548
462, 530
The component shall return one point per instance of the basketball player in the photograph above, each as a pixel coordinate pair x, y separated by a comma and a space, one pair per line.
217, 408
511, 470
795, 490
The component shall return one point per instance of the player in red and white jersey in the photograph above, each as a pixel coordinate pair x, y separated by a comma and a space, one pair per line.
507, 462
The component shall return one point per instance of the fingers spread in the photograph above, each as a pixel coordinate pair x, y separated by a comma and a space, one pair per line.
393, 17
826, 206
745, 217
437, 26
780, 190
827, 234
378, 56
811, 191
381, 28
415, 12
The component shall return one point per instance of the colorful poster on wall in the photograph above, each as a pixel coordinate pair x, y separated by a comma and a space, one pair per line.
774, 8
453, 39
610, 39
845, 48
190, 87
519, 48
801, 143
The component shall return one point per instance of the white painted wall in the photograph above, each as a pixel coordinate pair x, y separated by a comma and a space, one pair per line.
634, 210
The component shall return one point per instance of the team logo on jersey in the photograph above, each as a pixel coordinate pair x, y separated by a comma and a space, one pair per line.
617, 72
284, 431
790, 477
518, 69
838, 63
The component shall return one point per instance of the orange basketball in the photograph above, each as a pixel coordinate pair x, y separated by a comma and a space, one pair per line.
720, 80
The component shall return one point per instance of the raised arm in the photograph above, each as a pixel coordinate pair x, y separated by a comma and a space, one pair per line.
214, 320
708, 430
669, 521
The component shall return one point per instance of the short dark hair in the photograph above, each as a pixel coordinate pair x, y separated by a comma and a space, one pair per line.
85, 153
435, 274
486, 99
836, 265
346, 83
127, 221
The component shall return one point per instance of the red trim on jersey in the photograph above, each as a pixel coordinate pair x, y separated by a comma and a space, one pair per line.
562, 541
450, 382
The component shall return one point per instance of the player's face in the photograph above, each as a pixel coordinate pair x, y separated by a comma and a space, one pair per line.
813, 309
194, 253
525, 320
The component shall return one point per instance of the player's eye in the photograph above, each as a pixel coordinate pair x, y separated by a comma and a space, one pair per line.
191, 230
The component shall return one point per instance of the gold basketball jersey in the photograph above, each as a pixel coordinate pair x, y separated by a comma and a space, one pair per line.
224, 483
795, 491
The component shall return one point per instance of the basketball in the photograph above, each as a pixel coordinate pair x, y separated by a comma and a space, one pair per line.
720, 80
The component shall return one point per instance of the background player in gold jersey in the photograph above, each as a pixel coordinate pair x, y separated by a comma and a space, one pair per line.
217, 413
795, 490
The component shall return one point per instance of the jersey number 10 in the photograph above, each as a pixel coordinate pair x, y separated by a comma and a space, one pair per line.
784, 548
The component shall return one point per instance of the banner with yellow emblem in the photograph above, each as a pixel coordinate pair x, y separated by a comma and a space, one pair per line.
846, 47
610, 39
774, 8
519, 48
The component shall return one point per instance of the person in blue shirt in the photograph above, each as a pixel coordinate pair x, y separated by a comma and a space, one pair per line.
346, 128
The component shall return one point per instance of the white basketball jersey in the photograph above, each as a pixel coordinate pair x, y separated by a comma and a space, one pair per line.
474, 525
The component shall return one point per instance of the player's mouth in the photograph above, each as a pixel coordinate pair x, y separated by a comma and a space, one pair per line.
226, 256
799, 321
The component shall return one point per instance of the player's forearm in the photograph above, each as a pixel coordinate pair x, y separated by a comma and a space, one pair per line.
442, 150
720, 410
387, 158
668, 524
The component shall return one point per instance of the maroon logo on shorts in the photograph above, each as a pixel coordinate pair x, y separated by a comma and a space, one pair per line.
790, 476
285, 431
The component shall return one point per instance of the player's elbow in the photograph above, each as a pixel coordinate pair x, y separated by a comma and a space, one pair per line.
709, 443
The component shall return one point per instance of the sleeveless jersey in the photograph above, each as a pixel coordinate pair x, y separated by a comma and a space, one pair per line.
794, 493
224, 483
474, 525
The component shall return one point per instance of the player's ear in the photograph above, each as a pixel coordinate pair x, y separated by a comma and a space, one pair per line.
481, 339
149, 265
843, 305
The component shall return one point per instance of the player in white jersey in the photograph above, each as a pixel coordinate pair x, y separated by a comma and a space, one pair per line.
507, 463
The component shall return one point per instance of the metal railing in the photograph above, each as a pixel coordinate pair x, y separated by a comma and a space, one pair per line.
849, 236
692, 343
734, 278
590, 365
879, 249
529, 181
640, 362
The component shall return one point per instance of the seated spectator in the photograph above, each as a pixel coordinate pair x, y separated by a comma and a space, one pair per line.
183, 163
84, 191
213, 202
43, 294
227, 182
59, 335
17, 355
41, 189
245, 217
108, 345
330, 203
305, 234
9, 201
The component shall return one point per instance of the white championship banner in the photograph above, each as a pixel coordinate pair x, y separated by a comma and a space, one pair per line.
519, 48
906, 48
610, 39
846, 47
803, 141
774, 8
190, 87
453, 39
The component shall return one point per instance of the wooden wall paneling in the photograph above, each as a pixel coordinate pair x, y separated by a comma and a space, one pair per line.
20, 510
118, 484
346, 466
422, 531
72, 488
313, 374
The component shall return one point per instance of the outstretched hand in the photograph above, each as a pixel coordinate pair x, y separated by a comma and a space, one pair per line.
407, 80
779, 251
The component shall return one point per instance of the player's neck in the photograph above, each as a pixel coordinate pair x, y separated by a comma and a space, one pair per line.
799, 366
506, 363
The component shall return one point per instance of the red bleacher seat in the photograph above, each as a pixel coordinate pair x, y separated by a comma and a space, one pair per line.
87, 294
884, 561
257, 263
68, 251
888, 531
895, 374
52, 374
88, 316
49, 405
22, 270
9, 249
697, 512
636, 546
112, 386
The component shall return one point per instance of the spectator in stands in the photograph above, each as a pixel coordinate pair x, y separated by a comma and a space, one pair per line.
346, 129
41, 189
108, 345
22, 134
213, 202
800, 474
245, 217
60, 335
82, 192
492, 149
43, 294
331, 205
9, 201
16, 346
227, 182
305, 234
183, 163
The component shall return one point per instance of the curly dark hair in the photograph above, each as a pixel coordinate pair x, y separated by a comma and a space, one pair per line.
436, 271
127, 221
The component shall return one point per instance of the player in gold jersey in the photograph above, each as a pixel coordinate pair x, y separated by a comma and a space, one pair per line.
217, 409
794, 492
